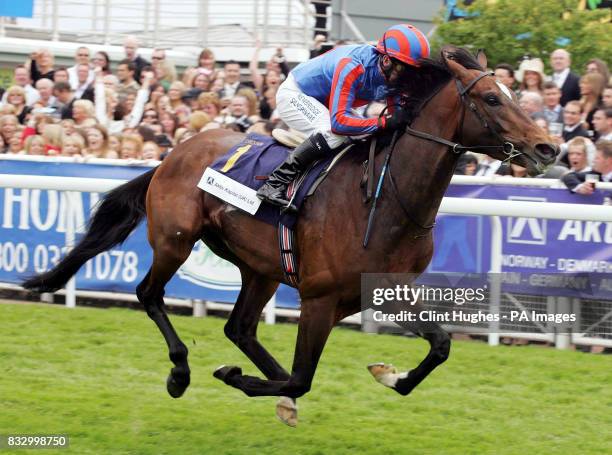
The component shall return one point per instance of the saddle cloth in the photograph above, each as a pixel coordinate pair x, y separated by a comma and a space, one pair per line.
253, 159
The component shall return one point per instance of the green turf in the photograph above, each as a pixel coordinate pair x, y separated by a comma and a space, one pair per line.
98, 375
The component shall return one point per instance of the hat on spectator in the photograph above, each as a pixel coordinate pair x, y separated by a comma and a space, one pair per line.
534, 64
191, 94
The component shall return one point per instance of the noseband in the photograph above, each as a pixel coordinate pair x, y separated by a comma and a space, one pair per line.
507, 148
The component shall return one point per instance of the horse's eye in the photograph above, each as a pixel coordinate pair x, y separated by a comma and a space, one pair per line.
492, 100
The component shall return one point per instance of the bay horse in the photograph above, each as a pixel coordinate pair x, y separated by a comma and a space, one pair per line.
458, 101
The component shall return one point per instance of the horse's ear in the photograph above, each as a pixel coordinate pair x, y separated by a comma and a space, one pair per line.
458, 70
482, 59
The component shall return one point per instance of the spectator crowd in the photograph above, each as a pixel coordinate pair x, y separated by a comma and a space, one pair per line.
142, 109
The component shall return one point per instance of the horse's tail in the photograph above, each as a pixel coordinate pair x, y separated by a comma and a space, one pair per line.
117, 215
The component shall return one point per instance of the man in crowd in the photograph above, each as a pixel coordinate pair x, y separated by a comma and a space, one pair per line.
80, 58
84, 89
21, 77
532, 104
239, 113
125, 73
130, 46
602, 122
45, 90
567, 81
232, 80
64, 99
572, 121
552, 106
504, 73
602, 168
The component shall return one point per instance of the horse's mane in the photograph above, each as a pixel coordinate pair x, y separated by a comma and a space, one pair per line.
419, 85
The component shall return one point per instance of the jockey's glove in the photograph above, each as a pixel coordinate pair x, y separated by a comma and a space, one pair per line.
399, 119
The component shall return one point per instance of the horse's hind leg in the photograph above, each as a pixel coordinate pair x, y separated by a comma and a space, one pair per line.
403, 383
167, 258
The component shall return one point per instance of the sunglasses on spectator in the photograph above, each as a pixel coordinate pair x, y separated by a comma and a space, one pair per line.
150, 116
83, 55
157, 58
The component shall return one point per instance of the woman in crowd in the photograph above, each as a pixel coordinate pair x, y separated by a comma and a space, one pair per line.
175, 94
157, 91
201, 81
206, 63
267, 103
41, 65
16, 97
102, 61
83, 113
52, 134
114, 116
8, 127
531, 76
591, 89
72, 145
596, 65
210, 103
114, 144
131, 147
97, 142
34, 145
150, 151
150, 117
169, 123
165, 73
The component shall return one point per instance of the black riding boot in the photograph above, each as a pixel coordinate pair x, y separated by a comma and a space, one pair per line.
275, 188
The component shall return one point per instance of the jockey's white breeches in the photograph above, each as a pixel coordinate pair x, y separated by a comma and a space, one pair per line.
305, 113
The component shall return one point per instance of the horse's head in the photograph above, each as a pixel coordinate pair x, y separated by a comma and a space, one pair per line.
491, 116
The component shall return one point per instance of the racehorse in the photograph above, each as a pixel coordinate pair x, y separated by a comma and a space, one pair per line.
462, 107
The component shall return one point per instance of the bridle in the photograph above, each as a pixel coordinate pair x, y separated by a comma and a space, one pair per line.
507, 148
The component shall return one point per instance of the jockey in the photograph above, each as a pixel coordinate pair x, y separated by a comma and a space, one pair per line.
318, 98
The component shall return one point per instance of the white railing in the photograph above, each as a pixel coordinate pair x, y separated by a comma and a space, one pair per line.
450, 205
168, 23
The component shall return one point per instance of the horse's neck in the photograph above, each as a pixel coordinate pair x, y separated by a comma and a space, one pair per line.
423, 169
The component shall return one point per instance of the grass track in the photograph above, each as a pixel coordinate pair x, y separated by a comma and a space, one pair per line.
99, 376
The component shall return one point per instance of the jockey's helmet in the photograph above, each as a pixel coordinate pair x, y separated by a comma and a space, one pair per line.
405, 43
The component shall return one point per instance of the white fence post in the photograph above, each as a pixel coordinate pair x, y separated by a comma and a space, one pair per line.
199, 309
270, 310
495, 278
562, 337
70, 237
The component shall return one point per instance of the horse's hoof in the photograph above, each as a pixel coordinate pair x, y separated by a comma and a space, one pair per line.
225, 373
385, 374
287, 411
175, 387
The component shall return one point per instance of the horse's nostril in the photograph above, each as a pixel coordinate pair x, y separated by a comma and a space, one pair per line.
547, 151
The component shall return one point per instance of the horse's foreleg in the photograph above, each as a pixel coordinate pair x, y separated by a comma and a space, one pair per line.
150, 292
241, 327
403, 383
316, 321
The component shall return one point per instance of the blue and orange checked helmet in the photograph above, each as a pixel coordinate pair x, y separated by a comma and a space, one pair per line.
405, 43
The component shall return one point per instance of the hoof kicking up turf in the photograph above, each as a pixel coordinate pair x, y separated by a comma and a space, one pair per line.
286, 411
387, 375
